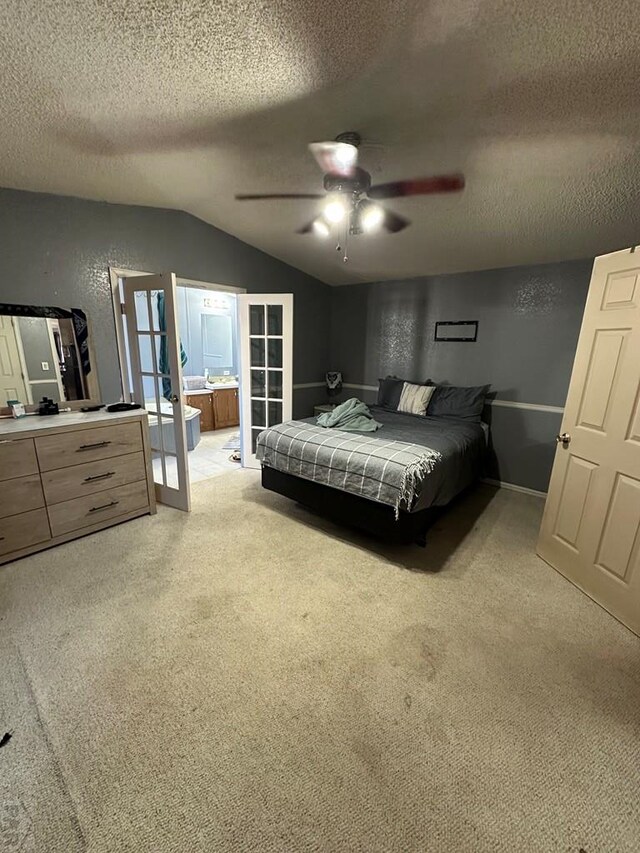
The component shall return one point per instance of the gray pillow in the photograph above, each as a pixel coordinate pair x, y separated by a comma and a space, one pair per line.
449, 401
389, 391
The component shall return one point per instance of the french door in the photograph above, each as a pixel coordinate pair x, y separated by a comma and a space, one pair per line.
152, 331
591, 525
266, 350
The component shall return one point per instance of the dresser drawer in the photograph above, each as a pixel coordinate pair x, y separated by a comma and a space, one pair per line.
17, 458
21, 531
87, 445
78, 480
83, 512
20, 495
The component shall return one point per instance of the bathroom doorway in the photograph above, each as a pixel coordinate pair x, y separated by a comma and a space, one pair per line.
209, 350
208, 326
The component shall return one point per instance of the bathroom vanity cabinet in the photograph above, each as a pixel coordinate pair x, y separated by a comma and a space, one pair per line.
219, 407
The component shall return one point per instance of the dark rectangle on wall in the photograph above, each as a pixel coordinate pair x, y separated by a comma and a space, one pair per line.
457, 330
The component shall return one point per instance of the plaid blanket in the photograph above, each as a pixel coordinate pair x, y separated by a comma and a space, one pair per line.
389, 472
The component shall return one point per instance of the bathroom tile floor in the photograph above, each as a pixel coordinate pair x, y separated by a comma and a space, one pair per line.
206, 461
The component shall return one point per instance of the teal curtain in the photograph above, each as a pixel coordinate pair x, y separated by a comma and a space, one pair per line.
164, 352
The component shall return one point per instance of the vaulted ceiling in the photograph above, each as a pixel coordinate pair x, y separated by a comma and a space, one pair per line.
183, 103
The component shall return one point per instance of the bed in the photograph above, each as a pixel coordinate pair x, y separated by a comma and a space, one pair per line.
455, 449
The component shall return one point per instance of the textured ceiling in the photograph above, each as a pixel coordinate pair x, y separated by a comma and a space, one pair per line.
182, 103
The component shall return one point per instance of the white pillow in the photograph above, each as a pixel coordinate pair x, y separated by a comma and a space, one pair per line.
414, 399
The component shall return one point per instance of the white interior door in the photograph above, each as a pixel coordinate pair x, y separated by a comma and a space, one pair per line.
266, 355
152, 330
12, 381
591, 526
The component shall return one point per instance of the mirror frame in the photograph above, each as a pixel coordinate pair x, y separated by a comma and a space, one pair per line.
54, 313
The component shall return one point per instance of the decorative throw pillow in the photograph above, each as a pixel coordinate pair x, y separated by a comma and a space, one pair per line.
389, 391
414, 399
448, 401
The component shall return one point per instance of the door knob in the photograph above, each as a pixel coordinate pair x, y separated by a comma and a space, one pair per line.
174, 398
563, 439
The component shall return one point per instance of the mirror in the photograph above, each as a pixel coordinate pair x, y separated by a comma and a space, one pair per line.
45, 352
217, 342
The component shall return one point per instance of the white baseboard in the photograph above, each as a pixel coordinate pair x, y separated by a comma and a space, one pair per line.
514, 488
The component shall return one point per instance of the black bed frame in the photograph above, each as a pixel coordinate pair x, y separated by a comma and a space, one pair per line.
352, 510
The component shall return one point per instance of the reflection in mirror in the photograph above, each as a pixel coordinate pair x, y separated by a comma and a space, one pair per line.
45, 352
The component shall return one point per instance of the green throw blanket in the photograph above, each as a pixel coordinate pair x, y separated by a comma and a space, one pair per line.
353, 415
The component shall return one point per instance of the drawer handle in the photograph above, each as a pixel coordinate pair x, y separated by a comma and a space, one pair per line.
91, 446
2, 538
104, 506
99, 477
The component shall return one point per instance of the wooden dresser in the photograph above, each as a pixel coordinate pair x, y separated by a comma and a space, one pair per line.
219, 407
67, 475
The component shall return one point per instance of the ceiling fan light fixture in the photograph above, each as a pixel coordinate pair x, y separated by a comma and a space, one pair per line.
320, 227
371, 216
334, 210
335, 158
345, 154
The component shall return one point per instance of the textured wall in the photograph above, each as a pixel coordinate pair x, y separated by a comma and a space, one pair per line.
56, 250
529, 320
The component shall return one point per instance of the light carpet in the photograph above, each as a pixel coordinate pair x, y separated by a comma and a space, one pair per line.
251, 678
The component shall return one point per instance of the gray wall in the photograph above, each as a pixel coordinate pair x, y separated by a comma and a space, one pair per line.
529, 320
56, 250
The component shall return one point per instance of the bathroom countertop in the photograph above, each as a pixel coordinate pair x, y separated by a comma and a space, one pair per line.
217, 387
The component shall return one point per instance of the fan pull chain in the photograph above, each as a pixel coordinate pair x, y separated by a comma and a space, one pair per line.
345, 258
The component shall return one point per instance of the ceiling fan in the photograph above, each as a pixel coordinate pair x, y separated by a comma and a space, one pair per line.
351, 200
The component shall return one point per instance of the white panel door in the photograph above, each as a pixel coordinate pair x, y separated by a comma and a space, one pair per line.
591, 526
12, 382
266, 356
156, 373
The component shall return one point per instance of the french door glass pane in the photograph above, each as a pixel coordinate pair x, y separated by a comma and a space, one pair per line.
258, 413
142, 310
162, 434
163, 385
275, 384
275, 352
274, 319
145, 343
254, 437
257, 354
148, 389
258, 383
256, 319
155, 317
171, 465
275, 412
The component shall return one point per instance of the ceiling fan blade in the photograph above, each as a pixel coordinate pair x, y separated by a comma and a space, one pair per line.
393, 222
335, 158
267, 196
418, 186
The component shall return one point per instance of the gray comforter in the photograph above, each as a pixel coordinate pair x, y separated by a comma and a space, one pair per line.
433, 459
